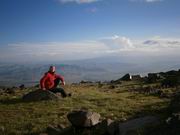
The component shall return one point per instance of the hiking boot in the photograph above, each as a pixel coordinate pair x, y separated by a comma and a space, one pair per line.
69, 94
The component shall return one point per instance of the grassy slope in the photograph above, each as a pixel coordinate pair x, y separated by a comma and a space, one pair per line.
18, 117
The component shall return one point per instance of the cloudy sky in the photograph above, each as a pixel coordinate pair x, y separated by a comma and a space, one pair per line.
54, 30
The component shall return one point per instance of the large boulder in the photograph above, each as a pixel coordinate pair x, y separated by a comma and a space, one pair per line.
83, 118
126, 77
132, 127
40, 95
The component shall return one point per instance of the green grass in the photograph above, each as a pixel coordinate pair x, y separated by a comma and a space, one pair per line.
18, 117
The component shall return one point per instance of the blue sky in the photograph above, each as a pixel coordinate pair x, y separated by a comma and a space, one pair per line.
26, 24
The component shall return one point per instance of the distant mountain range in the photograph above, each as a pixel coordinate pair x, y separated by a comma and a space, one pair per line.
99, 69
16, 74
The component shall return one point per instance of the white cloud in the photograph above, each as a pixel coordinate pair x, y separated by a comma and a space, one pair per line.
115, 45
148, 1
91, 1
153, 0
78, 1
117, 42
156, 46
163, 42
54, 51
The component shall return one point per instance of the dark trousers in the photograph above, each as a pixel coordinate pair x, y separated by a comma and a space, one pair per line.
58, 90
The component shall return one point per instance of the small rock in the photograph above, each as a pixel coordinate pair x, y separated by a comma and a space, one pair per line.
10, 91
83, 118
22, 86
14, 87
112, 87
174, 119
168, 120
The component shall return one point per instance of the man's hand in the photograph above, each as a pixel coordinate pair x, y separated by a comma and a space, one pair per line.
63, 83
43, 88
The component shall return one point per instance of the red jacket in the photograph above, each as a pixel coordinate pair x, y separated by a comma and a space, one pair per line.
47, 81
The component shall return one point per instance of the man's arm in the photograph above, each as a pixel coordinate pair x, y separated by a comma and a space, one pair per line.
42, 81
61, 78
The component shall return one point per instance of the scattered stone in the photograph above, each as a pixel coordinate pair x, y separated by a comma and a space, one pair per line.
83, 118
147, 90
85, 82
22, 86
10, 91
14, 87
87, 123
112, 87
40, 95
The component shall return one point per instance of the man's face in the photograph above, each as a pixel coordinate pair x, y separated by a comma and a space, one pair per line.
52, 69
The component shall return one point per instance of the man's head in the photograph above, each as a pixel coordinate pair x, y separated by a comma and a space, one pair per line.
52, 69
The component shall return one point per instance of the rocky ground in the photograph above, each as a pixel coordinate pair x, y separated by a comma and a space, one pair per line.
121, 108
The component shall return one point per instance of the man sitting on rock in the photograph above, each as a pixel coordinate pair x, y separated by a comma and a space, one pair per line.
50, 81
